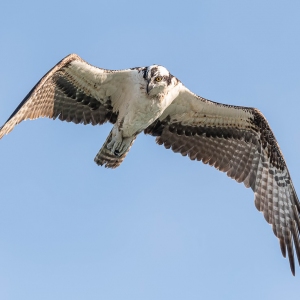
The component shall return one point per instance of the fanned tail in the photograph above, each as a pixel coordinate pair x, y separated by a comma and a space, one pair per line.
108, 159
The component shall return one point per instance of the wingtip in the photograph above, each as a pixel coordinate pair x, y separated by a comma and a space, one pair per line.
1, 133
293, 272
282, 247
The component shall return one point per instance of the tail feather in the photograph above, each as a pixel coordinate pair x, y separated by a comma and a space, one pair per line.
108, 159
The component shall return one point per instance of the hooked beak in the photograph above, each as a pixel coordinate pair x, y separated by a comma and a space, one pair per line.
149, 87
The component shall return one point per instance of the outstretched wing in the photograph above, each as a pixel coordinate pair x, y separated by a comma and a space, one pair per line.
238, 141
74, 91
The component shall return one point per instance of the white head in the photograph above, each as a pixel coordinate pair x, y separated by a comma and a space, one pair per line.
159, 80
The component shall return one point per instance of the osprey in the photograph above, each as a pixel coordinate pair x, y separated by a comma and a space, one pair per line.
236, 140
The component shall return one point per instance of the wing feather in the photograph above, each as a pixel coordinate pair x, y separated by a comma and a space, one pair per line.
73, 91
238, 141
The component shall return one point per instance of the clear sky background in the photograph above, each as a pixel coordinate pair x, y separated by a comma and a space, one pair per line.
160, 226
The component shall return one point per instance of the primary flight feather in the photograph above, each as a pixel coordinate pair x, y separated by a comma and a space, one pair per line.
236, 140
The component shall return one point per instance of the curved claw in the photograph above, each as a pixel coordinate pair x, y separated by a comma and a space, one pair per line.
118, 145
117, 153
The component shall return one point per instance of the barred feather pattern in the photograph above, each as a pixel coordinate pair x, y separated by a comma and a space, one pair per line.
57, 95
108, 159
235, 140
243, 157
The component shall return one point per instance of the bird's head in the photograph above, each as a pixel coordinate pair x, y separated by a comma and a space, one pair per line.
159, 80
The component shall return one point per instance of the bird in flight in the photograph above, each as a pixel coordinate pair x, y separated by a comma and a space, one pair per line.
234, 139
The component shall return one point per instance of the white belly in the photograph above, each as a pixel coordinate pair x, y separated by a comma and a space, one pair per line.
137, 110
139, 114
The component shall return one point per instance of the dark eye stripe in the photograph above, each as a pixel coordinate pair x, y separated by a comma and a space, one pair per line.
153, 71
168, 79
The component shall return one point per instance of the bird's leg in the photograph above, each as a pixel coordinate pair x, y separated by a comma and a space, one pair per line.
126, 142
116, 140
118, 145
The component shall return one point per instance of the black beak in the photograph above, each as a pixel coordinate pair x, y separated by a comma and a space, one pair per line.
149, 88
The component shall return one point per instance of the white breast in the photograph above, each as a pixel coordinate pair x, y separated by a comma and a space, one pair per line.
138, 114
138, 111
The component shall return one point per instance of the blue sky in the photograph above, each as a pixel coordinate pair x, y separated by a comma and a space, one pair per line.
160, 226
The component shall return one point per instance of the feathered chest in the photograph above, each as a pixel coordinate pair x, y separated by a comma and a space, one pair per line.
138, 113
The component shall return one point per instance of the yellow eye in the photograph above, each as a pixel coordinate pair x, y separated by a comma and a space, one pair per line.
158, 78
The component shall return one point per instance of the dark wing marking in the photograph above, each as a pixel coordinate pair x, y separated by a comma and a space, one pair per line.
72, 91
238, 141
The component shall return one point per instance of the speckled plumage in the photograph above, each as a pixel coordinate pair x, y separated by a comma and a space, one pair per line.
235, 140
